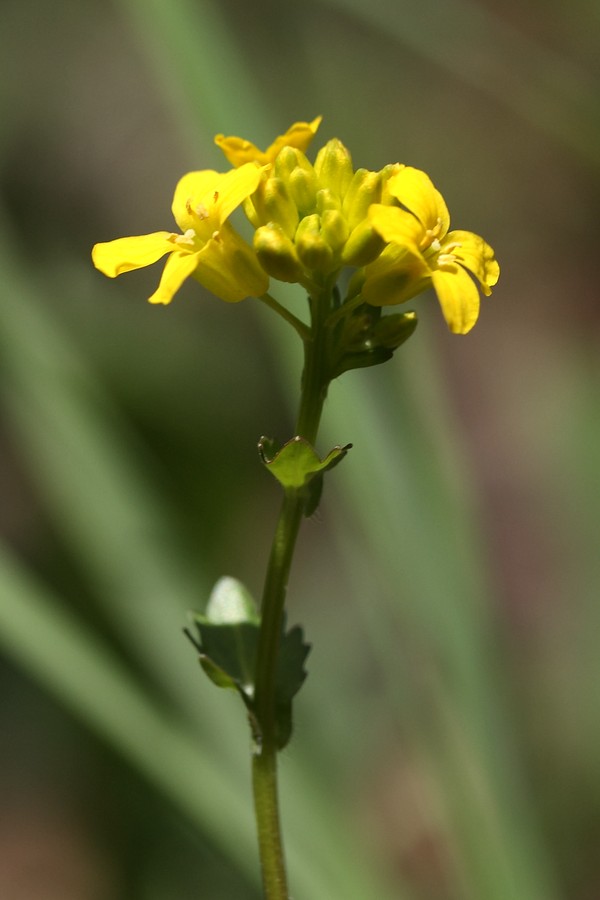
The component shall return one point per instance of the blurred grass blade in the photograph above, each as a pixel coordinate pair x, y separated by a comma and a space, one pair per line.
82, 458
418, 526
82, 674
198, 68
477, 46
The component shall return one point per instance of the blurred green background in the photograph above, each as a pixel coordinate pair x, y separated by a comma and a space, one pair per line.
447, 742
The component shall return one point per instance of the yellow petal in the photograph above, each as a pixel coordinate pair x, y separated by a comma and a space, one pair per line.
203, 200
458, 296
415, 190
298, 135
190, 191
233, 187
239, 151
179, 266
115, 257
396, 226
478, 257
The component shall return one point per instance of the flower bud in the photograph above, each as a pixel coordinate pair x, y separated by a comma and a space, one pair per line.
392, 331
295, 170
334, 229
364, 189
327, 200
288, 159
333, 166
273, 203
313, 250
277, 254
363, 246
303, 187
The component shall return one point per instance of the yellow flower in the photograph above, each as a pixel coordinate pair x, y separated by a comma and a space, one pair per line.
209, 249
238, 151
421, 251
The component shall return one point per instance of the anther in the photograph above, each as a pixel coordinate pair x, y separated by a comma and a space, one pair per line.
186, 238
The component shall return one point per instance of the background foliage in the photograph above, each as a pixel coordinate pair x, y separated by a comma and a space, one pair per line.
448, 736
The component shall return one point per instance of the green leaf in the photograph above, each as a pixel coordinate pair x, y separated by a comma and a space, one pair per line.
297, 462
231, 602
228, 635
291, 675
229, 654
290, 664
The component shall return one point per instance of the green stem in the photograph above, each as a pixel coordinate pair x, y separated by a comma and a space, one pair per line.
302, 329
264, 761
270, 842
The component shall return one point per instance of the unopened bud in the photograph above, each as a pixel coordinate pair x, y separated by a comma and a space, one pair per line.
303, 188
276, 253
334, 229
296, 171
392, 331
327, 200
273, 203
363, 246
364, 189
313, 250
333, 166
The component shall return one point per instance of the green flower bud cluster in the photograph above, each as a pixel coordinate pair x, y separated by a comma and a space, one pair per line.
311, 220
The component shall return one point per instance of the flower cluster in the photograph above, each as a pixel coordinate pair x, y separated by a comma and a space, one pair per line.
311, 220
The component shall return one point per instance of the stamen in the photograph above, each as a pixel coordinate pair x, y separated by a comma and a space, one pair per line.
446, 259
431, 237
186, 238
201, 211
452, 246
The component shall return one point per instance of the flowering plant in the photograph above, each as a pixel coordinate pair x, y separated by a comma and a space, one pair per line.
356, 241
